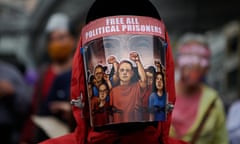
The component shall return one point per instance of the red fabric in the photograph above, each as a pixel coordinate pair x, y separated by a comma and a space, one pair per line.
145, 99
43, 87
180, 115
125, 98
85, 135
100, 116
47, 81
40, 93
66, 139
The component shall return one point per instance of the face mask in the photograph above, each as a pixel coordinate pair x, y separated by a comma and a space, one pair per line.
60, 52
191, 75
126, 46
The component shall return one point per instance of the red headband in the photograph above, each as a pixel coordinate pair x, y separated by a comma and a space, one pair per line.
195, 48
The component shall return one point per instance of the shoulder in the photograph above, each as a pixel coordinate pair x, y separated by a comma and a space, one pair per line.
7, 69
65, 139
209, 90
210, 94
44, 68
152, 95
65, 76
94, 99
233, 118
235, 106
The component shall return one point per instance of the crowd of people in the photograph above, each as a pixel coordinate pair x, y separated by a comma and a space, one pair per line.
51, 92
129, 93
199, 115
143, 100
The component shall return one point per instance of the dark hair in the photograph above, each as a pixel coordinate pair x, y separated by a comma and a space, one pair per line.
104, 84
104, 8
99, 66
163, 79
125, 61
91, 78
135, 76
151, 69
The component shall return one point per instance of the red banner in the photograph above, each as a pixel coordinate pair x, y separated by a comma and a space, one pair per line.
116, 25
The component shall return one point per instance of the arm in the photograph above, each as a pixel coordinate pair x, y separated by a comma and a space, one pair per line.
106, 78
112, 60
150, 107
158, 65
135, 57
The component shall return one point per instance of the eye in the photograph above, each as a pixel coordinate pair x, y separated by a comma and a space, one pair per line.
143, 45
110, 43
111, 46
140, 43
96, 46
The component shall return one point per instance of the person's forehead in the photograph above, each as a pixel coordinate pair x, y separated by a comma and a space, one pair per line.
125, 64
59, 32
103, 86
193, 67
159, 75
149, 73
98, 69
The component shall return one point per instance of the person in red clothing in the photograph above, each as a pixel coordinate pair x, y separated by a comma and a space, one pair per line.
119, 27
100, 110
60, 48
199, 115
127, 95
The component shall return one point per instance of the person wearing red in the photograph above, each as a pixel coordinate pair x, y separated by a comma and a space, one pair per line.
125, 96
199, 116
150, 74
140, 19
100, 110
60, 48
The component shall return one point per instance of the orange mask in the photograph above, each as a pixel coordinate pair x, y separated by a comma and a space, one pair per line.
60, 52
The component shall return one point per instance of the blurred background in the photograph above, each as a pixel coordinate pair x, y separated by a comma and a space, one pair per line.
22, 38
22, 24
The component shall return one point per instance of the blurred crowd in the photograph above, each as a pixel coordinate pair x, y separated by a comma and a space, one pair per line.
27, 96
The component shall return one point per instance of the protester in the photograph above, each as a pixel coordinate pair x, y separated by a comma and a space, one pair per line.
198, 116
100, 108
157, 99
60, 47
106, 24
128, 96
14, 103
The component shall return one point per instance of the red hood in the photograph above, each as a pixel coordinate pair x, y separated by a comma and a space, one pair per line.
83, 130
